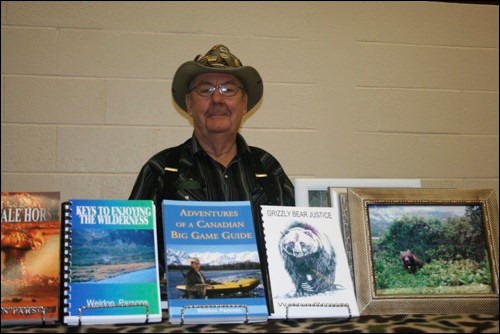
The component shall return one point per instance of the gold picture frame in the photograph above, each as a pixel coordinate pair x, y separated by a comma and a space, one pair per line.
454, 275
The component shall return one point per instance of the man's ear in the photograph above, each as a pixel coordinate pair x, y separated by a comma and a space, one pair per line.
245, 101
189, 102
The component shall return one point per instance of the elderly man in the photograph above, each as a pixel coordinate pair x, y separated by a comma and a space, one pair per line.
196, 282
215, 164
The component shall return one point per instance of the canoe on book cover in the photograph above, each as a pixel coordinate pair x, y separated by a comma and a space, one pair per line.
229, 287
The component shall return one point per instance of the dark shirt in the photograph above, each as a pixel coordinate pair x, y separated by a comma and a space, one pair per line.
194, 281
200, 178
203, 179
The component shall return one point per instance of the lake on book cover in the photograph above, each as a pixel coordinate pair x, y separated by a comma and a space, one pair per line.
176, 278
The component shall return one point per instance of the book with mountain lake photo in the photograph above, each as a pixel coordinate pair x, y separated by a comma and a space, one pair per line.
110, 262
213, 268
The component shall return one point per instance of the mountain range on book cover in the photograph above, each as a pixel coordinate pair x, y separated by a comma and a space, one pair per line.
30, 257
220, 237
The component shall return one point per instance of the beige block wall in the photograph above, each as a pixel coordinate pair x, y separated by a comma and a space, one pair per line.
352, 89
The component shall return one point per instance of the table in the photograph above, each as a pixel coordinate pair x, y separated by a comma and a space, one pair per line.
485, 323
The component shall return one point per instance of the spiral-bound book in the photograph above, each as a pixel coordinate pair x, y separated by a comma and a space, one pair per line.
213, 269
110, 265
308, 266
30, 257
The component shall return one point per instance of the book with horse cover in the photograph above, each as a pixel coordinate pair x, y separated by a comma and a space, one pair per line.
31, 231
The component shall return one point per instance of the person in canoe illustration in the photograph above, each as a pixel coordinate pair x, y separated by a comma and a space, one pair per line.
195, 280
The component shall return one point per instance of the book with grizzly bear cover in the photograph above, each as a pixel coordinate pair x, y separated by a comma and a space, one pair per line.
307, 261
30, 257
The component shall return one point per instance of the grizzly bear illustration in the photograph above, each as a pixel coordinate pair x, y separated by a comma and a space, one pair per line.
410, 261
309, 259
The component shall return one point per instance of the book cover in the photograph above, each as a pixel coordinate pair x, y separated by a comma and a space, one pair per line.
111, 262
308, 266
213, 269
30, 257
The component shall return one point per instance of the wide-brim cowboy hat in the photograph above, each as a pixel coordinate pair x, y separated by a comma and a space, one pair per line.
218, 60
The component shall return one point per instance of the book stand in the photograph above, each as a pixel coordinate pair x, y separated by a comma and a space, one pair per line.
83, 308
215, 306
318, 305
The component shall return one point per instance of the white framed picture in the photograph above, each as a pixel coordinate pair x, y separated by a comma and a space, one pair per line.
314, 192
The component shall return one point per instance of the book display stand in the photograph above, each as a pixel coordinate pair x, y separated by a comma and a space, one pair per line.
202, 306
346, 305
83, 308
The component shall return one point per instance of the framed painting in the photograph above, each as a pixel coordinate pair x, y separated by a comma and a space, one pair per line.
314, 192
425, 251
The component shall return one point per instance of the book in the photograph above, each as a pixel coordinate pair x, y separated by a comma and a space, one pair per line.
212, 263
308, 266
30, 257
110, 262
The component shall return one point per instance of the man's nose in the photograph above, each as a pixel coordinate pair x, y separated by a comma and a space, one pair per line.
217, 97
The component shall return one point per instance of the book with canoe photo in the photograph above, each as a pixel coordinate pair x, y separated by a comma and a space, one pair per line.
213, 268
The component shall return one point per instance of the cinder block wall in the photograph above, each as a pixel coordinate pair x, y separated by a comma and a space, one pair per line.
352, 90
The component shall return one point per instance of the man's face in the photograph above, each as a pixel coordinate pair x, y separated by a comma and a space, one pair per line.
216, 114
195, 265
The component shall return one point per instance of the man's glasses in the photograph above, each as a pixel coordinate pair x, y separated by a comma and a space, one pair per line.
206, 89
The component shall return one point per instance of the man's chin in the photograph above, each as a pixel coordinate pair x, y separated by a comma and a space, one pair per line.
219, 131
218, 121
218, 126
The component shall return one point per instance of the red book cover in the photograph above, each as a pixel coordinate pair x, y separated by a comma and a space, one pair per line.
31, 232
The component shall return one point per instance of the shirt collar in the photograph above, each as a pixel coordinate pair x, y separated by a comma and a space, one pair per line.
241, 146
